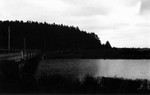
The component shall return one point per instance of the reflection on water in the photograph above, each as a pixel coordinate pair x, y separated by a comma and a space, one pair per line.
97, 67
125, 68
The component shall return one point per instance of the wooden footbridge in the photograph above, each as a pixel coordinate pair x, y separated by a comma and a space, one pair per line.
20, 61
17, 55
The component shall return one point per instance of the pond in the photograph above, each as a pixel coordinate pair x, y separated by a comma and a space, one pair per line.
130, 69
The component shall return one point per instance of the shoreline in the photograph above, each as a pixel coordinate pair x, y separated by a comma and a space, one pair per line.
98, 54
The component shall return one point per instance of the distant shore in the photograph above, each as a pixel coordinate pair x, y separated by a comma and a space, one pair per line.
114, 53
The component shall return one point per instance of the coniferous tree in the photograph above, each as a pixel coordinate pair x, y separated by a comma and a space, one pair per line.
108, 44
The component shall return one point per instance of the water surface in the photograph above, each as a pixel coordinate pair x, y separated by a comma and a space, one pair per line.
131, 69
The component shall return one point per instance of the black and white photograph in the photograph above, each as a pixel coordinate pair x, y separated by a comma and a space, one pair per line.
75, 47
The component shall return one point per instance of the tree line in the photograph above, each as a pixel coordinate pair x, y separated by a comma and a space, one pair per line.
45, 36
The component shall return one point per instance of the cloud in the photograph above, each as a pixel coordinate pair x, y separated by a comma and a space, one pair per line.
86, 7
32, 9
145, 7
10, 9
122, 22
100, 7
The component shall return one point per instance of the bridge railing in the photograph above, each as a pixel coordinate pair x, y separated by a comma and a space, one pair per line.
7, 51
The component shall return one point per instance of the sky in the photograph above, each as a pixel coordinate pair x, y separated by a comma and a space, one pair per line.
124, 23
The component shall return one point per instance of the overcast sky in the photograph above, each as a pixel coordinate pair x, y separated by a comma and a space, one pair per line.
125, 23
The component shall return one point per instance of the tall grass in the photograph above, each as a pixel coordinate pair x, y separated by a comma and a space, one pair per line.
69, 84
90, 84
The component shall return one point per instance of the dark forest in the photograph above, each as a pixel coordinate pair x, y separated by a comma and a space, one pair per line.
44, 36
